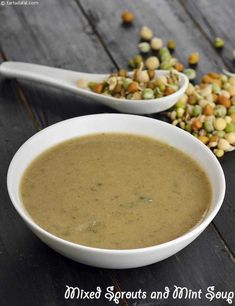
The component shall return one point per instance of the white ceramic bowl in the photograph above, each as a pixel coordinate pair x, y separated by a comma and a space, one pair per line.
116, 123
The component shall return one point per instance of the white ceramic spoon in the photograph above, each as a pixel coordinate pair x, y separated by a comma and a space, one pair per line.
66, 79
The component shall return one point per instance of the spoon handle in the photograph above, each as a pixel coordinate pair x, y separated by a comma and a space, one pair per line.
43, 74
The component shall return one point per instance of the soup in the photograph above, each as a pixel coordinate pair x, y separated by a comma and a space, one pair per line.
115, 191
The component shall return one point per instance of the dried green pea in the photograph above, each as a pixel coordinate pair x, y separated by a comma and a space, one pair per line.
216, 88
180, 104
208, 126
233, 100
188, 128
230, 127
131, 63
157, 93
231, 110
166, 65
91, 84
190, 73
162, 87
164, 51
220, 134
144, 47
219, 42
197, 111
126, 82
138, 59
147, 94
166, 57
220, 111
179, 112
224, 78
171, 44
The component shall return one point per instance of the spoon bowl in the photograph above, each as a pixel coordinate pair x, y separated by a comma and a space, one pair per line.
66, 79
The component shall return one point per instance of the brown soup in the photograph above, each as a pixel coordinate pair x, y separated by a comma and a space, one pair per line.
115, 191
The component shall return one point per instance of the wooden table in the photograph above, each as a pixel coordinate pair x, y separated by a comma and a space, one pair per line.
88, 36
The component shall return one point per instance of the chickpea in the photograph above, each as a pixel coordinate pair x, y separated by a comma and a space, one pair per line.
193, 58
230, 137
208, 110
133, 87
179, 67
197, 124
218, 152
171, 44
219, 124
151, 74
152, 63
122, 73
169, 90
203, 139
146, 33
224, 145
127, 17
98, 88
136, 96
82, 83
224, 101
156, 43
190, 90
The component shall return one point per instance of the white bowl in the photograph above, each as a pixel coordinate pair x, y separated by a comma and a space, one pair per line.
116, 123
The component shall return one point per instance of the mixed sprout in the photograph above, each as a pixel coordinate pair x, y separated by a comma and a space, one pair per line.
139, 85
207, 111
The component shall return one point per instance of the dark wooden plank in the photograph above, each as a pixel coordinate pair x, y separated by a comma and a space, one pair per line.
214, 19
200, 270
57, 35
224, 221
167, 19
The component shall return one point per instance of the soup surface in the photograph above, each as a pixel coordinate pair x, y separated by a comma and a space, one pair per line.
115, 191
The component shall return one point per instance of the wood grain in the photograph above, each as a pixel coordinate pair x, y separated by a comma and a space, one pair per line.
57, 35
167, 19
214, 20
88, 36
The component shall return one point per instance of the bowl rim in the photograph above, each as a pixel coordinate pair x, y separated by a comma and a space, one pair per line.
197, 229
